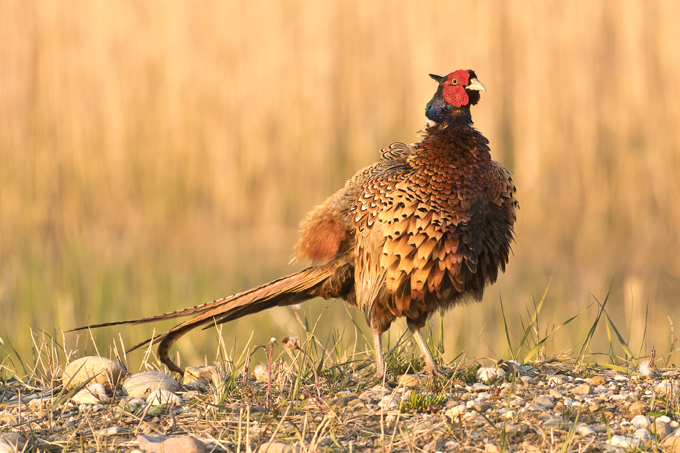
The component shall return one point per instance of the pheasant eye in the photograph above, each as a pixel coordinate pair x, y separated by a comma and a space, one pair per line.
454, 81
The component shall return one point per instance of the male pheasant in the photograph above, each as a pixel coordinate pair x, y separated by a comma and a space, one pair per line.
426, 228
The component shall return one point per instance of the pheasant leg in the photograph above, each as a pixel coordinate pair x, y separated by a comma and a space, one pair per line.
379, 358
430, 365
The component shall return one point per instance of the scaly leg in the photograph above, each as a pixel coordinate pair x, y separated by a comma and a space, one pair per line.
379, 359
430, 366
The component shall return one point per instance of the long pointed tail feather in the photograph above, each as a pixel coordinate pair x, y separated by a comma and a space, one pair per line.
328, 280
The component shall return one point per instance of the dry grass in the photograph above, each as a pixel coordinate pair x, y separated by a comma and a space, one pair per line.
155, 157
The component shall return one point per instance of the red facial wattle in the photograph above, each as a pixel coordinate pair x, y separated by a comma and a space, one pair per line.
454, 88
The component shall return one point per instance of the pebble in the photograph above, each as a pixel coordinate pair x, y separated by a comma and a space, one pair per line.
388, 402
640, 421
598, 380
661, 429
642, 434
141, 385
584, 430
556, 379
104, 371
545, 401
487, 374
456, 411
92, 394
638, 408
583, 389
162, 396
200, 374
164, 444
409, 380
623, 441
110, 431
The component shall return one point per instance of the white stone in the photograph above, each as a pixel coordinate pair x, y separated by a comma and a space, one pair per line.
663, 418
623, 441
451, 444
510, 414
110, 431
642, 434
163, 396
568, 402
105, 371
640, 421
456, 411
666, 387
92, 394
487, 374
555, 380
140, 385
584, 430
388, 402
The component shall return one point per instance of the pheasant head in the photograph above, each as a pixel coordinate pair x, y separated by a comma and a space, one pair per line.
455, 94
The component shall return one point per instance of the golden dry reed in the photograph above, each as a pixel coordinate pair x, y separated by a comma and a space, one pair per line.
155, 155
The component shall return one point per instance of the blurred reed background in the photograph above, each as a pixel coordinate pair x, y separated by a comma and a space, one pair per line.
157, 155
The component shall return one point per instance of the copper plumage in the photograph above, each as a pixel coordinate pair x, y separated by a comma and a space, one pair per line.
426, 228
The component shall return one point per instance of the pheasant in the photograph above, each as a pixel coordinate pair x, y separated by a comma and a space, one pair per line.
426, 228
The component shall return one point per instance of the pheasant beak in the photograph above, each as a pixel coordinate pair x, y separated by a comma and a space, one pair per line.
475, 85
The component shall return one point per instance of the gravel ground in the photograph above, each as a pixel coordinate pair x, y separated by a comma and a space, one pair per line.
542, 407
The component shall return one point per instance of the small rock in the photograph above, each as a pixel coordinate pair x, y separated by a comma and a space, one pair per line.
598, 380
479, 387
92, 394
638, 408
6, 448
583, 389
556, 379
14, 440
555, 393
623, 441
584, 430
106, 371
666, 388
487, 374
456, 411
451, 444
551, 421
642, 434
141, 385
110, 431
534, 407
640, 421
409, 380
481, 407
164, 444
200, 374
433, 446
661, 429
527, 379
491, 448
388, 402
278, 447
663, 418
163, 396
672, 441
545, 401
344, 401
510, 414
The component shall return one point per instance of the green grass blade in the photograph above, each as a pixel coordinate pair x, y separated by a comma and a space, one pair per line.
567, 441
535, 349
591, 332
507, 332
627, 350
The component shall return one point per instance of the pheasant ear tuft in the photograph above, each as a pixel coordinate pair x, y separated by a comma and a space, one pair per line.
439, 79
